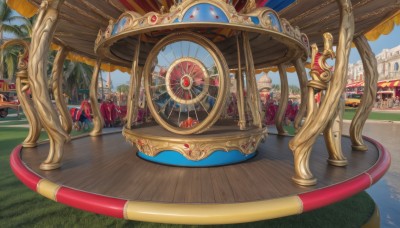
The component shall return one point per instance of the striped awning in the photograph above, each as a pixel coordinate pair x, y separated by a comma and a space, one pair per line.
390, 84
355, 84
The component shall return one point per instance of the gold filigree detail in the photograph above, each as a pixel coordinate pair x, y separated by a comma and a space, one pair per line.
196, 149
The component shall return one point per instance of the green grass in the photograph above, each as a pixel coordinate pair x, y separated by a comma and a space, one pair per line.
13, 122
350, 112
21, 207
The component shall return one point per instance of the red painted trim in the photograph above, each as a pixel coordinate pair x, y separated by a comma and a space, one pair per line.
332, 194
91, 202
126, 4
23, 174
382, 165
261, 3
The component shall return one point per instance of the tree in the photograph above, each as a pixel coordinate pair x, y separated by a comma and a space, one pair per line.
77, 76
294, 89
123, 88
14, 26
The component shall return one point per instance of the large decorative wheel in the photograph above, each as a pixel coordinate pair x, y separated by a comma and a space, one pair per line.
186, 83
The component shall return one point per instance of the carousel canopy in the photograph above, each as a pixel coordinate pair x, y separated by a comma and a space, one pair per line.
80, 21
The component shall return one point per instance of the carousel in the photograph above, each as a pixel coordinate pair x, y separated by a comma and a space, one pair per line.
182, 158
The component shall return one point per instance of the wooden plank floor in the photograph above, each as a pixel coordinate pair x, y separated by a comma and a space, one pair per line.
108, 165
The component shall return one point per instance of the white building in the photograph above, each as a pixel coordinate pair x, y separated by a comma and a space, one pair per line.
388, 70
388, 66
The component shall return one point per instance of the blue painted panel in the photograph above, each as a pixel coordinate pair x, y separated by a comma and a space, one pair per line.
255, 20
217, 158
118, 26
279, 5
205, 12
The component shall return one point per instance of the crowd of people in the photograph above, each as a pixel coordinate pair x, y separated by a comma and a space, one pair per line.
270, 108
388, 102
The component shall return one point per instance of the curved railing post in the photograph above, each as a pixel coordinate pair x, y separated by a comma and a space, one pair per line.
22, 87
283, 102
367, 102
42, 35
134, 88
302, 143
57, 82
98, 121
302, 75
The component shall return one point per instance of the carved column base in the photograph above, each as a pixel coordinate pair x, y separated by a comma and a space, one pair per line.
338, 162
283, 133
49, 166
305, 182
359, 147
95, 133
29, 144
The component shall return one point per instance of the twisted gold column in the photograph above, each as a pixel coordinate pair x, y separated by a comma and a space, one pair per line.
57, 82
333, 137
283, 102
302, 75
22, 86
302, 143
371, 78
134, 88
42, 35
252, 90
98, 121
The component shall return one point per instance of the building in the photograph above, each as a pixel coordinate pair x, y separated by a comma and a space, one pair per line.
264, 86
388, 70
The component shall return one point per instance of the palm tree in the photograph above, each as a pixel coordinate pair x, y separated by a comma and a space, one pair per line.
14, 26
76, 76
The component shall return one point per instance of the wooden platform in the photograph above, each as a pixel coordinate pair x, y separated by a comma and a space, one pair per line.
107, 165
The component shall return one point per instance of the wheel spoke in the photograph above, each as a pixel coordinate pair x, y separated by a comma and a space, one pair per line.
165, 105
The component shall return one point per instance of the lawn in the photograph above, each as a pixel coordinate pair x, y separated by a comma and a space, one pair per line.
350, 112
21, 207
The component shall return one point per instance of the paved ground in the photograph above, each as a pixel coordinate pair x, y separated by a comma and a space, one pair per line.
386, 192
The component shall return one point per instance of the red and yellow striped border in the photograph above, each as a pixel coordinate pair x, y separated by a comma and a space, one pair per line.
201, 213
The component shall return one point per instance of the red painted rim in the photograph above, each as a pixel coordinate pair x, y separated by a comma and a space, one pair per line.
114, 207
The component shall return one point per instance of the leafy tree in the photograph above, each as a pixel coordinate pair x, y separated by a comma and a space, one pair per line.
123, 88
14, 26
76, 76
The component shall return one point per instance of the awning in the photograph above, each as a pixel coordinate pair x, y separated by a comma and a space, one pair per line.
380, 92
393, 83
355, 84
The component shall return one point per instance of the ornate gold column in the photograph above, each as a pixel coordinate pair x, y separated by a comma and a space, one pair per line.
302, 143
283, 102
240, 88
371, 79
57, 83
134, 88
333, 137
42, 35
252, 90
98, 121
302, 75
22, 86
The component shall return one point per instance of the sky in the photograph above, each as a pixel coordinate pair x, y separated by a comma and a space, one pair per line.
384, 42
